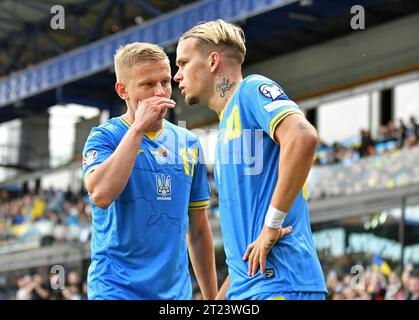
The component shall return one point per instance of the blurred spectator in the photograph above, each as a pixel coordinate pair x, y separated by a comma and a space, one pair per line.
413, 285
39, 292
402, 135
367, 144
338, 295
3, 282
413, 128
84, 291
24, 291
394, 287
73, 288
392, 131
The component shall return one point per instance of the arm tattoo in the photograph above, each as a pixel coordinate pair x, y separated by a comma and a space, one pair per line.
302, 125
270, 245
223, 86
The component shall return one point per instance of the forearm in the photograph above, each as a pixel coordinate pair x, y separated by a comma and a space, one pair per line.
109, 179
201, 252
221, 295
294, 166
44, 294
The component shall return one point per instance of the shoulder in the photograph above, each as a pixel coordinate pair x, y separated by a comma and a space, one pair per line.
109, 130
256, 85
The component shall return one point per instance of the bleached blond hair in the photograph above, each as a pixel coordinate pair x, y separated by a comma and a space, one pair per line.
219, 34
126, 57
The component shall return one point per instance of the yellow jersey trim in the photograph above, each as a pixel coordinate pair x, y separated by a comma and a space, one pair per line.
151, 135
281, 116
93, 134
199, 203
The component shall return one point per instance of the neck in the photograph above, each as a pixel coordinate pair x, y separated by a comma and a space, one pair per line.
225, 86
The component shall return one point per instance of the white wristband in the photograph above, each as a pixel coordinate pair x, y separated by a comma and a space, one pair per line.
274, 218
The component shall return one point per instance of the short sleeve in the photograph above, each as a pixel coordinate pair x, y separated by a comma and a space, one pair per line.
97, 149
267, 103
200, 193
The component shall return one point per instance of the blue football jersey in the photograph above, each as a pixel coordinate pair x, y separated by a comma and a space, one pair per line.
246, 172
138, 248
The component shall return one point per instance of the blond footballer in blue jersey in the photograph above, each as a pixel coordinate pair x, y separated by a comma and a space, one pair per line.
148, 188
264, 153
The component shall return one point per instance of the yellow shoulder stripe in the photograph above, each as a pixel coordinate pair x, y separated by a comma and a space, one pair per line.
281, 116
93, 134
198, 204
197, 208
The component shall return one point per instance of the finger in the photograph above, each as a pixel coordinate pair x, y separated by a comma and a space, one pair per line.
250, 267
161, 100
164, 106
248, 250
262, 262
286, 231
255, 264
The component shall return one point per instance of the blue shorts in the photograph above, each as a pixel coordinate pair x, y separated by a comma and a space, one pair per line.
290, 296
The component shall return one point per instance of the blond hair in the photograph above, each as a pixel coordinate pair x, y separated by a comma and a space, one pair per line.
126, 57
218, 33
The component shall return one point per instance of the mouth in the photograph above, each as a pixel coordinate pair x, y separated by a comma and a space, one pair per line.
182, 90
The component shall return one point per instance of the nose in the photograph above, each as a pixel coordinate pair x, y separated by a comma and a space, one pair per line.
159, 91
178, 76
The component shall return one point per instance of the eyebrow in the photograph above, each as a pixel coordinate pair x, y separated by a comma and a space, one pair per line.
145, 80
180, 60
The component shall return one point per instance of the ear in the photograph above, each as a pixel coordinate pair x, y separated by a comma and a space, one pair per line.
214, 60
121, 90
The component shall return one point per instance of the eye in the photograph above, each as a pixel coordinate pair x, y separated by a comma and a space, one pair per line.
166, 82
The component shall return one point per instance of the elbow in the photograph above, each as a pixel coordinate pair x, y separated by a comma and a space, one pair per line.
100, 200
308, 141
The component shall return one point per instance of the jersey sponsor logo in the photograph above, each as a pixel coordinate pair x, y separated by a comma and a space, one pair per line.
270, 273
164, 187
272, 91
279, 104
89, 158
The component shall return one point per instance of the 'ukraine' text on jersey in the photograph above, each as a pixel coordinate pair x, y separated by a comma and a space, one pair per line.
246, 172
139, 248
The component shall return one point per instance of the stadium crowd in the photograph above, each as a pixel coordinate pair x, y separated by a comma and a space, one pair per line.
53, 216
348, 278
40, 285
388, 139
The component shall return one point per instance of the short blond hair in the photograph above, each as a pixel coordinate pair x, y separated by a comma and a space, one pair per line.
126, 57
218, 33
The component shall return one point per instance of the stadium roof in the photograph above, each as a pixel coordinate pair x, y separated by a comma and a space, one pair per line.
26, 37
84, 75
